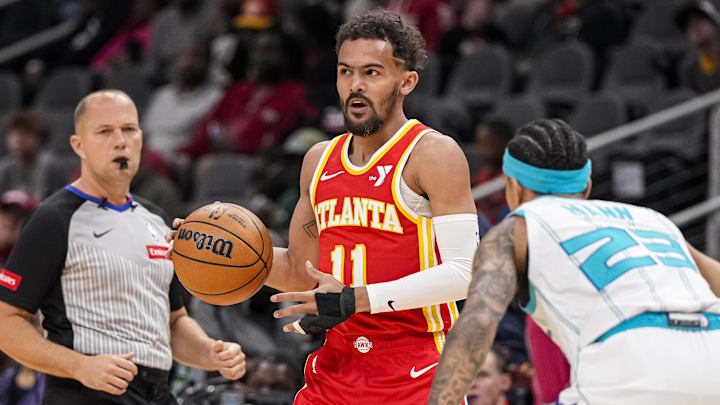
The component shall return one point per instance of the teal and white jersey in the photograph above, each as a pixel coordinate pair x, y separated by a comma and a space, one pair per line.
593, 264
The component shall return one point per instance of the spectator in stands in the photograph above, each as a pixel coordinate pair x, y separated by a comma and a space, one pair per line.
173, 27
493, 380
130, 44
317, 24
491, 138
430, 16
273, 373
15, 206
601, 24
475, 29
28, 165
175, 109
258, 113
700, 21
231, 49
20, 385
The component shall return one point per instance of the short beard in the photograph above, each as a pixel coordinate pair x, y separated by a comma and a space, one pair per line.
364, 128
374, 123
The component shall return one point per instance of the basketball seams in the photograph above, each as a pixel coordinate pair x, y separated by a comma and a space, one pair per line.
264, 269
250, 216
239, 266
259, 255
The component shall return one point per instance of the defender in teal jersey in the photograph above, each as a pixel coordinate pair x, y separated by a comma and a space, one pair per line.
632, 305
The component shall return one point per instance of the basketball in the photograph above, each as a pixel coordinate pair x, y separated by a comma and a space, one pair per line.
222, 253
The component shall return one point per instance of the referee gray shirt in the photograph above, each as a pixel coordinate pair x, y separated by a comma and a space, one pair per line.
98, 273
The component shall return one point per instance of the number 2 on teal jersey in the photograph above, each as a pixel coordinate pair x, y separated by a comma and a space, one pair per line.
596, 266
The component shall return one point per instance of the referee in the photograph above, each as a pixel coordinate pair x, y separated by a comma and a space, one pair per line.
91, 258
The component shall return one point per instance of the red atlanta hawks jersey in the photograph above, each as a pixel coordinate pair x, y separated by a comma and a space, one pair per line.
369, 235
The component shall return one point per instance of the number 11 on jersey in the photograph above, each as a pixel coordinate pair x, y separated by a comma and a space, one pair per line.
359, 268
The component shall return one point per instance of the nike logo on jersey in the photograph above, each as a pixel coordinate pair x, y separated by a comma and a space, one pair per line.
326, 176
98, 235
382, 173
416, 374
390, 305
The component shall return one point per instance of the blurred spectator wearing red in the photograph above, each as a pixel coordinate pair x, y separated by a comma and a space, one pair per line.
700, 21
15, 206
432, 17
130, 44
258, 113
491, 138
552, 371
28, 165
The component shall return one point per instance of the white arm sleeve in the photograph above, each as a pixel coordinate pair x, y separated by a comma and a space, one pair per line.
457, 238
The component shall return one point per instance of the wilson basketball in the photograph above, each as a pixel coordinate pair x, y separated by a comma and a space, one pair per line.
222, 253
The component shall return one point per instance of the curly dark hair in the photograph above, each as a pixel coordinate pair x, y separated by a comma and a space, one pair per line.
405, 38
28, 121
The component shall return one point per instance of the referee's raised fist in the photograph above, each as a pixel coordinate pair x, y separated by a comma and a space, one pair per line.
111, 373
229, 359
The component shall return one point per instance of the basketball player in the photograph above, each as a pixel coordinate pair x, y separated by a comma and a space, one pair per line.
616, 286
91, 258
387, 216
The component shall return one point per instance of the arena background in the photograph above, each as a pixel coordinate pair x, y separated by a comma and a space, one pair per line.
231, 93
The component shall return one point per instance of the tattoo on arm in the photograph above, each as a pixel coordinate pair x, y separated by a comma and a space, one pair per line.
311, 229
491, 289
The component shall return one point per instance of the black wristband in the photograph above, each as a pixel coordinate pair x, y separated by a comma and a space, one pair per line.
314, 325
340, 305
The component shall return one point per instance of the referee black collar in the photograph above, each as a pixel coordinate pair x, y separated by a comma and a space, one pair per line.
102, 202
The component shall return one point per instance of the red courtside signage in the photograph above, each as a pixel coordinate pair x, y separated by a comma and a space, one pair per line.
157, 252
10, 280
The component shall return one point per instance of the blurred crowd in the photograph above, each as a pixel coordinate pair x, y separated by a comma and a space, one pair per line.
232, 93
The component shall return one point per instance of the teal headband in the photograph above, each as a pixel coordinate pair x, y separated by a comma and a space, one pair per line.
547, 181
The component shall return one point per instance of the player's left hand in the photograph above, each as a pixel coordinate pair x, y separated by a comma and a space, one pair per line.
306, 299
229, 359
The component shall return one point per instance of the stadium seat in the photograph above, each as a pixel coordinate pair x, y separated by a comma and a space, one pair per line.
427, 89
480, 78
518, 111
133, 82
61, 124
450, 117
64, 89
563, 75
598, 113
228, 177
684, 137
634, 75
11, 91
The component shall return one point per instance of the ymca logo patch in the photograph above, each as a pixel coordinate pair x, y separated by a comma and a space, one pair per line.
157, 252
10, 280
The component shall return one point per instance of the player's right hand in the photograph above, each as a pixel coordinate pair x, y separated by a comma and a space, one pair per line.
111, 373
176, 223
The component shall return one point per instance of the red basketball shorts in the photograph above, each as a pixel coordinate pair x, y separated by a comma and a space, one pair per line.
368, 370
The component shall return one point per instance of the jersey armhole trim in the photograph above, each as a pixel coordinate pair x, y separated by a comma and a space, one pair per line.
397, 195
